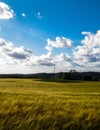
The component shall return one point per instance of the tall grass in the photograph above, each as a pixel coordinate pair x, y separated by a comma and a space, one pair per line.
27, 104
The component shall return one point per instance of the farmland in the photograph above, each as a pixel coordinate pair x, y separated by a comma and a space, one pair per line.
32, 104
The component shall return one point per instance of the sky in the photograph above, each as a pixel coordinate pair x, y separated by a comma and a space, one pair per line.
37, 36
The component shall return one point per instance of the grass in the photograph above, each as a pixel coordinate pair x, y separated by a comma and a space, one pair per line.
27, 104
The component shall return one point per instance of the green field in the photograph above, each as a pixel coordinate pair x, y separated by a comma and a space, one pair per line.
27, 104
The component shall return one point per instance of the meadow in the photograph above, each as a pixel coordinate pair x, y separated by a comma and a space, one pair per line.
30, 104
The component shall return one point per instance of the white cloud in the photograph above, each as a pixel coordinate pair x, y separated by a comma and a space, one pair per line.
88, 55
43, 60
49, 48
23, 14
39, 16
91, 39
21, 56
85, 57
5, 11
18, 53
60, 42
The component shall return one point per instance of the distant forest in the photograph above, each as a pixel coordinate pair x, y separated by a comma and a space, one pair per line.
72, 75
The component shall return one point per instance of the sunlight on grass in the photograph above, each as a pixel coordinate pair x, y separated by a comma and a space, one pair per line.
26, 104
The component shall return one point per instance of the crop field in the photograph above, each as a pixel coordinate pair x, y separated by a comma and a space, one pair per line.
29, 104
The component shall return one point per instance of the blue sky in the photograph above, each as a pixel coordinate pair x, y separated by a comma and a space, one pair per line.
45, 34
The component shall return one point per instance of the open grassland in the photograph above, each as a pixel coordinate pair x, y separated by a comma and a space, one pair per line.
27, 104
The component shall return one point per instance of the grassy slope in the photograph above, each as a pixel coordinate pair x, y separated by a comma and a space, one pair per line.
26, 104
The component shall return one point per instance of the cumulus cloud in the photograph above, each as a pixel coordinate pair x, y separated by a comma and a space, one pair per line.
21, 55
60, 42
43, 60
85, 57
5, 11
91, 39
63, 57
88, 54
7, 49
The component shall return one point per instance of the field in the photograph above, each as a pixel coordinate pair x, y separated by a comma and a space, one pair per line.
28, 104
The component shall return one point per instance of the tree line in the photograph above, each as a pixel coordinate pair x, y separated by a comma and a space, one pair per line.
71, 75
